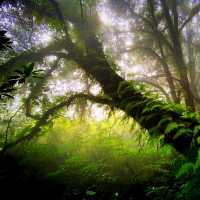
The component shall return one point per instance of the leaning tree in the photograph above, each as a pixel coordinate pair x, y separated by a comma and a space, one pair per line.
79, 41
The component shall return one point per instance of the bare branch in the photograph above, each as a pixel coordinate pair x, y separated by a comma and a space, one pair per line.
195, 10
156, 85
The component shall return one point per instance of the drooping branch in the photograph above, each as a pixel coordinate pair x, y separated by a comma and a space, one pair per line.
36, 90
46, 117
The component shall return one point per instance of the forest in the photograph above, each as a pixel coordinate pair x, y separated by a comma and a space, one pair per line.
100, 99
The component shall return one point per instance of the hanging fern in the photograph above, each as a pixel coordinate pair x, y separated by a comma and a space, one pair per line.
164, 120
186, 170
172, 126
181, 132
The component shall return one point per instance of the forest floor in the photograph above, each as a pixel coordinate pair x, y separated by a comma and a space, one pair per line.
25, 182
90, 162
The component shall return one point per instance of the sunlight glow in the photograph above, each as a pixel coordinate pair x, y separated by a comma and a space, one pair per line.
106, 18
105, 14
51, 58
98, 113
44, 38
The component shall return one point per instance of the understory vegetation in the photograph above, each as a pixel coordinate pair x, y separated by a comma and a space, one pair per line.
75, 159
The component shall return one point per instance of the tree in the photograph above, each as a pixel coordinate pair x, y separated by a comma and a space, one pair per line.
160, 25
177, 126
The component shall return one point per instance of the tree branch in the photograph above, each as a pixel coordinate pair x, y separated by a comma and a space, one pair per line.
156, 85
37, 89
195, 10
49, 113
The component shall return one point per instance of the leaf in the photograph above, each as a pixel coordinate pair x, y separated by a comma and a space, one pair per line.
132, 105
171, 126
122, 85
39, 70
150, 116
163, 120
7, 90
185, 170
7, 95
154, 131
198, 140
196, 129
181, 132
28, 69
90, 193
149, 107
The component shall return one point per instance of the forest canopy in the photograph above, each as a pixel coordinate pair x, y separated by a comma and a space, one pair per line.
92, 61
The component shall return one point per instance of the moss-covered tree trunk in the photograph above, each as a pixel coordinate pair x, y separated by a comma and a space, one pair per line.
178, 128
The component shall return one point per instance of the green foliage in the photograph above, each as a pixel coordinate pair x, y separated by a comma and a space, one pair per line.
196, 129
172, 126
130, 106
151, 108
7, 88
181, 132
186, 170
188, 177
95, 159
164, 120
5, 42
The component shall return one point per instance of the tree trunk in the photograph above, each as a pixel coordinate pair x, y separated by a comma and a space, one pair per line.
176, 128
152, 114
177, 52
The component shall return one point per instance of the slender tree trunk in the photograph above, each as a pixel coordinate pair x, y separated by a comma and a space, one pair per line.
159, 41
177, 52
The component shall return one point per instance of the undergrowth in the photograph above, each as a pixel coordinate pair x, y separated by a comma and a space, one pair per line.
99, 160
